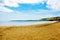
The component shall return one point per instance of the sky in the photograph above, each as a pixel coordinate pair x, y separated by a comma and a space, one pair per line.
28, 9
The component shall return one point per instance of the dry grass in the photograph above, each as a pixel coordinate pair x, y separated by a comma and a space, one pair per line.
33, 32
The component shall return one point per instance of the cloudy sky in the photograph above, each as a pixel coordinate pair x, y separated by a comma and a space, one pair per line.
28, 9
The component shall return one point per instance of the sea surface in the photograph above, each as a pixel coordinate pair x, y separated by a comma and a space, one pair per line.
22, 23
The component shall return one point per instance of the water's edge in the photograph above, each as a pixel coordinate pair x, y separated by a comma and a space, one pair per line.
24, 23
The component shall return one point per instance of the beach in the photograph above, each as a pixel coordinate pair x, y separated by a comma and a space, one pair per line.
49, 31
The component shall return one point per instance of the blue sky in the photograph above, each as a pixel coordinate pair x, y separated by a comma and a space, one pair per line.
28, 9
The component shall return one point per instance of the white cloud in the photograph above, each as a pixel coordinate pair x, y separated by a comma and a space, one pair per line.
15, 3
11, 3
31, 15
1, 4
31, 1
54, 4
3, 9
18, 16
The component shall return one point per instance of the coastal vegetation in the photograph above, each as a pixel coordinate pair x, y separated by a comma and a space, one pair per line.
51, 19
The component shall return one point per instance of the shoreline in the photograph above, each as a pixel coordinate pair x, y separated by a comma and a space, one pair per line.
43, 23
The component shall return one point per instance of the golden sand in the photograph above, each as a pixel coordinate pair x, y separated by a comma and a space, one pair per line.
32, 32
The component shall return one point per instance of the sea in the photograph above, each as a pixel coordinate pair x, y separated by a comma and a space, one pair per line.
22, 23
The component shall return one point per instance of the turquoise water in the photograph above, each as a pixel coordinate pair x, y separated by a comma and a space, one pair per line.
21, 23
